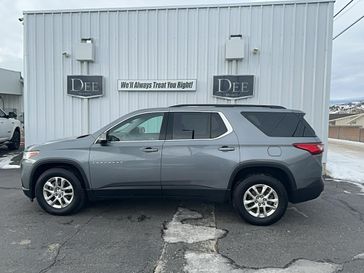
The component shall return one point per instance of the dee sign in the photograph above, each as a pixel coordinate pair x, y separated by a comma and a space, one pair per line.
233, 86
84, 86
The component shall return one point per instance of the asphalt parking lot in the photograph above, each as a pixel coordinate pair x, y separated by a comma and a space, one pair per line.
324, 235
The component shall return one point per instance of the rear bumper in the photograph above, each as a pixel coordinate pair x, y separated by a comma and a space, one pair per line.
310, 192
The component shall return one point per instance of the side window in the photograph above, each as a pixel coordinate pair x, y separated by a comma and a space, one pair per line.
218, 127
152, 125
142, 127
201, 125
281, 124
2, 114
191, 125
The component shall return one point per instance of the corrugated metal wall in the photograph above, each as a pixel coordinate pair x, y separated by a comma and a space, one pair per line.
12, 102
292, 67
10, 82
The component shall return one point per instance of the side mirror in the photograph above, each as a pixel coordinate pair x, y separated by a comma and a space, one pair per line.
103, 139
12, 115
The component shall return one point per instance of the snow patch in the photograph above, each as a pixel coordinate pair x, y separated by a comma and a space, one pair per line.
176, 231
8, 166
159, 268
345, 160
359, 185
53, 247
359, 257
346, 142
198, 262
22, 242
6, 160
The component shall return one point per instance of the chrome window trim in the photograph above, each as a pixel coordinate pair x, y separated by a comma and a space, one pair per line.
221, 114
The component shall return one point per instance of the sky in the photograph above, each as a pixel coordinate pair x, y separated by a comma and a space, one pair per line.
348, 49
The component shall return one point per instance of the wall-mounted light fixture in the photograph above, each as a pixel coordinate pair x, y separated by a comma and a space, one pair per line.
66, 54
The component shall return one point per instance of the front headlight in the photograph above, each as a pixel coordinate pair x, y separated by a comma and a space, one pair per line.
30, 154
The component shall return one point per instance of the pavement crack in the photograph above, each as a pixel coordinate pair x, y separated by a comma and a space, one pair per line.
55, 259
352, 209
347, 206
347, 181
215, 262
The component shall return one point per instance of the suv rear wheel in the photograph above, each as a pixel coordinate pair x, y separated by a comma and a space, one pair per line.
59, 191
260, 199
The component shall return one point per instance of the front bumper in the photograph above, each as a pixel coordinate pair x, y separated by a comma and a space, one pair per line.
310, 192
27, 192
26, 170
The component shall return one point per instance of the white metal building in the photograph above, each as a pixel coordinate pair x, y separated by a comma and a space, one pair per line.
11, 92
286, 46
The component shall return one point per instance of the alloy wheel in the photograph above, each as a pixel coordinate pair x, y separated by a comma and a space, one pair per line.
260, 200
58, 192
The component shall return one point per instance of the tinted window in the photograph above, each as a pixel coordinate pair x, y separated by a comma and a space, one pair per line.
191, 125
217, 125
142, 127
280, 124
197, 125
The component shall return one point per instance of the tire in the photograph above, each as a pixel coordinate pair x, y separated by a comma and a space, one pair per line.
261, 208
67, 203
15, 141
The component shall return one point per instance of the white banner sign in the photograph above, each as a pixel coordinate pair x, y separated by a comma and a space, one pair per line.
156, 85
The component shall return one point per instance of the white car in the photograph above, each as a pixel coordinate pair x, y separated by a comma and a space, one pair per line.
9, 130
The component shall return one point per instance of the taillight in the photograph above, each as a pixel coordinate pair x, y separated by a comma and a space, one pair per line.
312, 148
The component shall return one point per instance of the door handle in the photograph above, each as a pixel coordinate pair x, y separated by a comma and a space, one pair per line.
150, 150
226, 148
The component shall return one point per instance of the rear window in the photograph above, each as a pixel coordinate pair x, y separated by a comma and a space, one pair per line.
281, 124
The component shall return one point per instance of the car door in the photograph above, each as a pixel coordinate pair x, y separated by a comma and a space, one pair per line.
199, 155
129, 163
5, 126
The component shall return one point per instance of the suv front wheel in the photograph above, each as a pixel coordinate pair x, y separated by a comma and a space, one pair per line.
260, 199
59, 191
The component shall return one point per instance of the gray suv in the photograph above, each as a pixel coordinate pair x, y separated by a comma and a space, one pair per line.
258, 157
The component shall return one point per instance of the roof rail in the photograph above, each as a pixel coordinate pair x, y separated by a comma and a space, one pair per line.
231, 105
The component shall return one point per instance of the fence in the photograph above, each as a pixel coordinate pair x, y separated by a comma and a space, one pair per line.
353, 133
